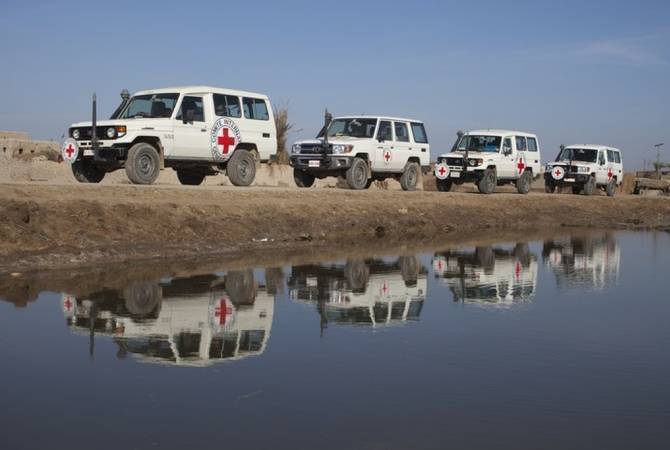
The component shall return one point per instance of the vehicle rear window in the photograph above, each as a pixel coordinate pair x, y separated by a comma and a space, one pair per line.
255, 108
521, 144
227, 105
419, 133
617, 157
401, 133
532, 144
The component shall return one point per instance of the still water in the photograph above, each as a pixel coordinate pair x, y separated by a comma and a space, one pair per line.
556, 343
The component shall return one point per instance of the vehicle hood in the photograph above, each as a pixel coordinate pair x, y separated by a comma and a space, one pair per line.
482, 155
337, 140
131, 124
567, 163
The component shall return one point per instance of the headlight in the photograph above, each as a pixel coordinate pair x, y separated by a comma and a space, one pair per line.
339, 148
548, 168
75, 134
581, 169
111, 132
295, 148
474, 162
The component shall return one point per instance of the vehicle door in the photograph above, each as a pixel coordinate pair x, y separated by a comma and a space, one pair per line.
191, 129
258, 127
601, 168
533, 155
617, 166
420, 143
385, 147
505, 166
520, 159
403, 146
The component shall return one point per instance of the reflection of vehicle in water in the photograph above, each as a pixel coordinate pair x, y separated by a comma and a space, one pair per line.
590, 261
489, 276
185, 321
365, 292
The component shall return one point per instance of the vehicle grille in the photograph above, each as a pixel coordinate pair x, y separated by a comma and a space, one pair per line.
311, 149
455, 161
85, 133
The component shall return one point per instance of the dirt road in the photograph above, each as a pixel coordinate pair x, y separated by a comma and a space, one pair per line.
46, 226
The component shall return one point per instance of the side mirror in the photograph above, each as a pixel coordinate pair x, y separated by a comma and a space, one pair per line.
507, 151
380, 138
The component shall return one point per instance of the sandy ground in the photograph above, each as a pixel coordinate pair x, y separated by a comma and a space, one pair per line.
51, 224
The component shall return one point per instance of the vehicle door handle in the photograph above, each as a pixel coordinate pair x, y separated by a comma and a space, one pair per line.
204, 130
266, 135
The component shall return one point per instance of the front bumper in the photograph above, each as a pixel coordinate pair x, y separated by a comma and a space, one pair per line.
568, 178
320, 163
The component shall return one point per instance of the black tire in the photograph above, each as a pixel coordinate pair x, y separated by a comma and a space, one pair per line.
142, 164
409, 270
611, 188
190, 178
303, 179
85, 172
410, 177
443, 185
357, 174
589, 186
549, 187
357, 274
487, 184
143, 299
523, 183
241, 287
369, 183
577, 189
241, 168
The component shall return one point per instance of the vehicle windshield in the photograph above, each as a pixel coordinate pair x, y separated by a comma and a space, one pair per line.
476, 143
578, 154
150, 105
357, 128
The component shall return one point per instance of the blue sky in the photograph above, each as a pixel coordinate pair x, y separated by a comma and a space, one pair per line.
571, 71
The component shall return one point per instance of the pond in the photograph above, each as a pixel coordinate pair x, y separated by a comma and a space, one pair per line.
560, 342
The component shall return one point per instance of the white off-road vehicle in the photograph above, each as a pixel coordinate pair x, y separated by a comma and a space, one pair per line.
363, 149
197, 131
490, 158
585, 168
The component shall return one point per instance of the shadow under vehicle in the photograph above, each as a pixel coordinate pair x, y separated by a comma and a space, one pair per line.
195, 321
489, 276
590, 261
371, 292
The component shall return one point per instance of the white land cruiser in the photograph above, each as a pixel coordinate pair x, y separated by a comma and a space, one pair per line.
363, 149
490, 158
585, 167
197, 131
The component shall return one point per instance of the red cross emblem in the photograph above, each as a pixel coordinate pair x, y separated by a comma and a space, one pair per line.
440, 265
610, 174
520, 166
517, 270
387, 156
223, 311
557, 173
68, 304
69, 150
385, 288
225, 140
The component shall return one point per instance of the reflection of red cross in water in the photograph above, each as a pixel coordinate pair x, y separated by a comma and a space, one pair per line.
521, 165
387, 155
68, 304
610, 174
226, 141
385, 288
442, 171
517, 270
558, 172
222, 311
69, 150
440, 265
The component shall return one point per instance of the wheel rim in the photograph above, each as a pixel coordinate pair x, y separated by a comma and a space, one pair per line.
411, 177
244, 169
146, 165
359, 175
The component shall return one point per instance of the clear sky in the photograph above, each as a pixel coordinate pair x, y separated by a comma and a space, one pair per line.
570, 71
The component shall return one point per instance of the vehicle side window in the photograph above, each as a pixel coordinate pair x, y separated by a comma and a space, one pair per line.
227, 105
610, 156
601, 157
385, 132
521, 144
255, 108
190, 103
507, 145
617, 157
532, 144
419, 133
401, 132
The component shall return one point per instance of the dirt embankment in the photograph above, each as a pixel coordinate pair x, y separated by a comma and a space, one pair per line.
46, 226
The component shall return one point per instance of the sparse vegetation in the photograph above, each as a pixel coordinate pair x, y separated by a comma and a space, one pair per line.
283, 127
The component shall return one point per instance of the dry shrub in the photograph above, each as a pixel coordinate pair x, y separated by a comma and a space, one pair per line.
283, 126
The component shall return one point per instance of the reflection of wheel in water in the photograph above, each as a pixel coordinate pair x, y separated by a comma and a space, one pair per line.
522, 253
241, 287
142, 298
357, 273
485, 258
409, 270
